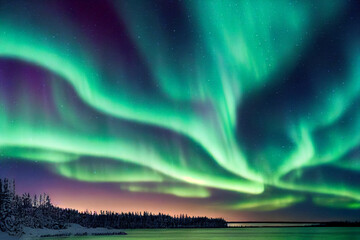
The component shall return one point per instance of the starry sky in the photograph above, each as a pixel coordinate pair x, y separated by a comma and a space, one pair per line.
242, 109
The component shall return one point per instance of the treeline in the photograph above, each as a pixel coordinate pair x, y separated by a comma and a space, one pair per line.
339, 224
38, 212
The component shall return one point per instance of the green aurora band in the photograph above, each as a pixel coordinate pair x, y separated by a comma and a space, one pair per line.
183, 138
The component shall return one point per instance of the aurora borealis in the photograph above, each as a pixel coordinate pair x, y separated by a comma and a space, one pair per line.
232, 108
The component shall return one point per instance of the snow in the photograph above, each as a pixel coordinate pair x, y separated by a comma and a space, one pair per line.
5, 236
34, 233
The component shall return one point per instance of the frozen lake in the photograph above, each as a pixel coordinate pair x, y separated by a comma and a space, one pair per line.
293, 233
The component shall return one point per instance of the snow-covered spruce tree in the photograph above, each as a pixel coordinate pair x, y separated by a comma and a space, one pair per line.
9, 219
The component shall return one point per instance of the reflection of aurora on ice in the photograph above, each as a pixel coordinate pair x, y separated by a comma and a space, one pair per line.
208, 101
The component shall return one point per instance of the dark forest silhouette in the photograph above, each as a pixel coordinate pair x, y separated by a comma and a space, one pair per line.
38, 212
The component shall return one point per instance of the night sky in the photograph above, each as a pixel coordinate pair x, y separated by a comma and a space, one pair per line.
242, 109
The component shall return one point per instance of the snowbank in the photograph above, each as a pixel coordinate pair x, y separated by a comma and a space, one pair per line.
6, 236
72, 230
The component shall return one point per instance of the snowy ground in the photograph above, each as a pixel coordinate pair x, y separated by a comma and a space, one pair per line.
31, 233
5, 236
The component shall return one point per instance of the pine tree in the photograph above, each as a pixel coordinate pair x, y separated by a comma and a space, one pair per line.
47, 201
8, 214
35, 202
1, 194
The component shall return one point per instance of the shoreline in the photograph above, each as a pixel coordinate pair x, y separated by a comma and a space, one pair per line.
72, 230
77, 230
